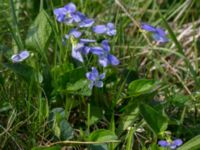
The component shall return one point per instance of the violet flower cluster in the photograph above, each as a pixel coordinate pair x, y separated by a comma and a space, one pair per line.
172, 144
82, 46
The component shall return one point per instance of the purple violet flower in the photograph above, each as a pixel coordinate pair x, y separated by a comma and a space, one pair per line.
20, 56
158, 35
105, 58
109, 29
74, 32
60, 14
172, 145
163, 143
86, 23
67, 14
81, 48
95, 78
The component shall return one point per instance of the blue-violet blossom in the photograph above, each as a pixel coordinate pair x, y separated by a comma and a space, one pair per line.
108, 29
86, 22
95, 78
172, 145
158, 35
20, 56
69, 15
74, 32
81, 48
105, 58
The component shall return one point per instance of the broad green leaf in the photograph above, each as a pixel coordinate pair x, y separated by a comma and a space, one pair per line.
65, 74
56, 126
179, 100
193, 144
59, 73
156, 121
61, 127
80, 87
25, 71
141, 86
75, 74
54, 111
70, 80
128, 117
39, 32
77, 85
67, 131
102, 136
57, 147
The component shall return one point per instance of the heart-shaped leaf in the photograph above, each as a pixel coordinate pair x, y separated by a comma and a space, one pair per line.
155, 119
141, 86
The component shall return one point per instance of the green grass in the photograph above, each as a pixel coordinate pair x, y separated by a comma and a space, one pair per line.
153, 94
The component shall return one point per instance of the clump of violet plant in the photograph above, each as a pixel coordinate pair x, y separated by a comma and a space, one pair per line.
83, 46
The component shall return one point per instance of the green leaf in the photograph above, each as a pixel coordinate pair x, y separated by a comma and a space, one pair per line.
141, 86
61, 127
77, 85
80, 87
179, 100
193, 144
156, 121
66, 79
65, 74
57, 147
39, 32
128, 117
102, 136
75, 74
43, 110
67, 131
56, 127
55, 111
24, 71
